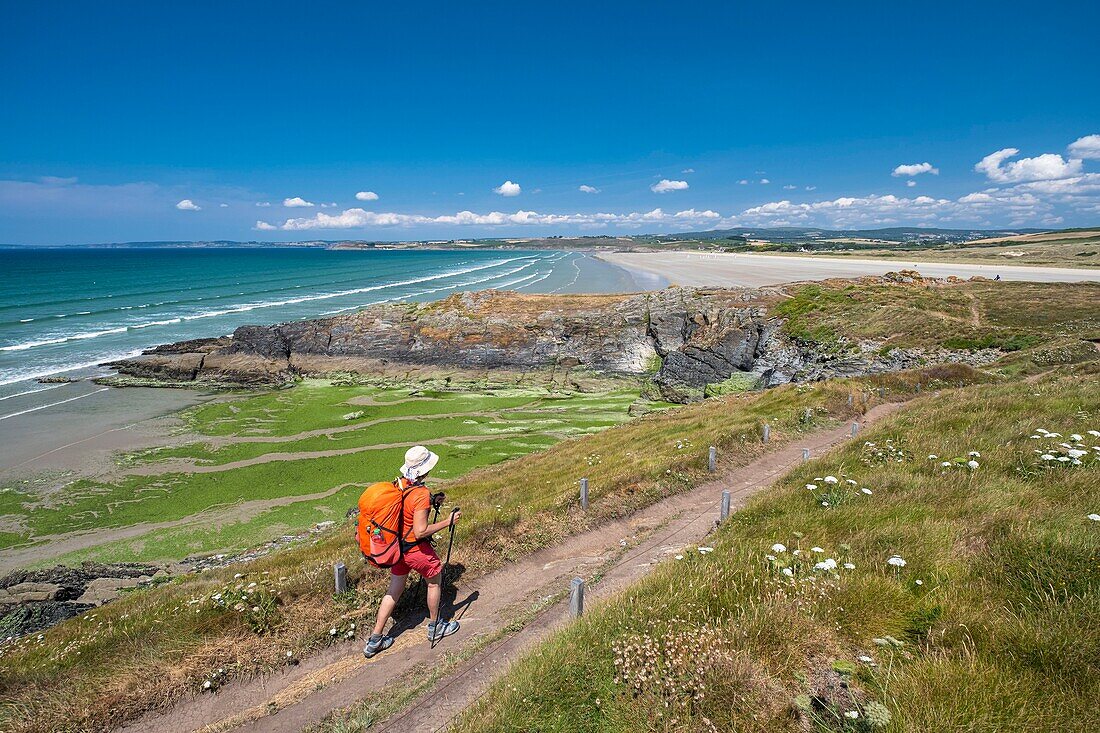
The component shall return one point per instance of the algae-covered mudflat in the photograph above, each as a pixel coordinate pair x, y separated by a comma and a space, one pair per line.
259, 466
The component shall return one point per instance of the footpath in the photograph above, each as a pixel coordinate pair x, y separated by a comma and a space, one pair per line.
615, 554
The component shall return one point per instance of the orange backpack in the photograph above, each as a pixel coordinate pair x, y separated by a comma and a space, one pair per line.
381, 527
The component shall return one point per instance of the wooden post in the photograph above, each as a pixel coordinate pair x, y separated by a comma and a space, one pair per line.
712, 459
855, 429
584, 493
767, 432
805, 454
724, 513
850, 398
340, 573
576, 598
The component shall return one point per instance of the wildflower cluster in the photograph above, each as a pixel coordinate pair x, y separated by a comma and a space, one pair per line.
683, 444
969, 461
669, 662
215, 679
834, 491
1062, 452
882, 455
593, 459
342, 630
256, 602
804, 577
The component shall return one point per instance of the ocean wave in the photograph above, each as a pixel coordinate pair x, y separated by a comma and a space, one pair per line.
31, 391
11, 377
246, 307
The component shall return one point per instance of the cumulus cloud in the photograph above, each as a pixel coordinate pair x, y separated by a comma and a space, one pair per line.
765, 181
665, 185
811, 188
223, 206
508, 189
584, 188
366, 196
908, 170
1087, 147
789, 187
685, 171
910, 184
743, 182
263, 204
333, 205
358, 218
263, 226
188, 205
1045, 167
297, 202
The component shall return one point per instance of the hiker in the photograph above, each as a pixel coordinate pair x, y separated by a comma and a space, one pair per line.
399, 510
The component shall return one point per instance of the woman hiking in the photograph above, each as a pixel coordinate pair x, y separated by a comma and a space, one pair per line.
419, 554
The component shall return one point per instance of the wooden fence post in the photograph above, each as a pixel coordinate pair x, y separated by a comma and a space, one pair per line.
724, 512
767, 432
584, 493
855, 429
712, 459
576, 598
805, 454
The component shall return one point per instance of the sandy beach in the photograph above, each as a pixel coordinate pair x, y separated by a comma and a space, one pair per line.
745, 270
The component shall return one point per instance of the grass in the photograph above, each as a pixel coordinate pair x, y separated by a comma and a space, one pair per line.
993, 623
156, 645
1006, 315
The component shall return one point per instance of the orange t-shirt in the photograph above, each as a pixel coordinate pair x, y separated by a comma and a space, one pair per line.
416, 499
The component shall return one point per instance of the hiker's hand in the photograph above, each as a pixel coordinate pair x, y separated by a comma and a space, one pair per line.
455, 515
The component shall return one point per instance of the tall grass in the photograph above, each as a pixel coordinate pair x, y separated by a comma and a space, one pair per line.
157, 645
992, 623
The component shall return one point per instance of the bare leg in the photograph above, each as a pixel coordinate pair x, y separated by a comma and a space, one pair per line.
389, 602
435, 590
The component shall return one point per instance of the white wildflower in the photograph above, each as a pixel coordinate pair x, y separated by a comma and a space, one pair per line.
896, 561
1076, 438
853, 714
1094, 433
932, 456
779, 547
679, 557
811, 487
850, 481
831, 480
1047, 457
946, 464
1095, 517
971, 464
866, 491
974, 454
788, 572
816, 549
849, 566
865, 659
919, 582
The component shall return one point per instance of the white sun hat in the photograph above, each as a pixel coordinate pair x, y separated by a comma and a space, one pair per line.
418, 461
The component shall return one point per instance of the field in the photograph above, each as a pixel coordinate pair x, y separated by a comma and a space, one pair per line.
157, 645
893, 585
265, 465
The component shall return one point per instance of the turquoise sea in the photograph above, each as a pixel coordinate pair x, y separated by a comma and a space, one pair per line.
65, 310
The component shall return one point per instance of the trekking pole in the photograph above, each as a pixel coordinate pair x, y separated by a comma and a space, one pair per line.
450, 544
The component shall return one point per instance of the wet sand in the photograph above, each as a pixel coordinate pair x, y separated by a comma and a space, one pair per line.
82, 424
748, 270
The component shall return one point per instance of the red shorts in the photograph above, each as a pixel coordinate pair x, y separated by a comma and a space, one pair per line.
421, 558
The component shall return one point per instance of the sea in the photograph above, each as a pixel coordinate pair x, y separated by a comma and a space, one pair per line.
65, 311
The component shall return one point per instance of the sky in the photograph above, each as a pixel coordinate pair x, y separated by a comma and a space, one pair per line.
139, 121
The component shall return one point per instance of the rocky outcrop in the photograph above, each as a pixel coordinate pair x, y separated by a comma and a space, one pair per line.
684, 340
32, 600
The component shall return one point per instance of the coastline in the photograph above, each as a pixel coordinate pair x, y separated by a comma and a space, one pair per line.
713, 269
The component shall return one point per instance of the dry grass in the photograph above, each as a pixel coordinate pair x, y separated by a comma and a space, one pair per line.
996, 612
158, 645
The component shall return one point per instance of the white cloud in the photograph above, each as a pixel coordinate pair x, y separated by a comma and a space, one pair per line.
58, 180
508, 189
908, 170
685, 171
1087, 147
188, 205
584, 188
910, 184
366, 196
263, 204
665, 185
789, 187
223, 206
1045, 167
765, 181
358, 218
297, 202
743, 182
333, 205
263, 226
811, 188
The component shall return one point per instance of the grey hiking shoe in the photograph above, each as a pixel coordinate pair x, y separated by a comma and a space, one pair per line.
377, 643
440, 629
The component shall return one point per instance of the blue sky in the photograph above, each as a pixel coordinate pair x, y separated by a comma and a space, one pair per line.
116, 114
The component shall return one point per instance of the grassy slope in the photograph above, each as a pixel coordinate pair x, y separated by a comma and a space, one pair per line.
997, 608
156, 645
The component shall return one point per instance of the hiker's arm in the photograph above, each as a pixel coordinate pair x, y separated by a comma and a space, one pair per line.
422, 530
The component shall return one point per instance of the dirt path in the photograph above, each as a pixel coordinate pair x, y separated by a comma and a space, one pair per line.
336, 678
